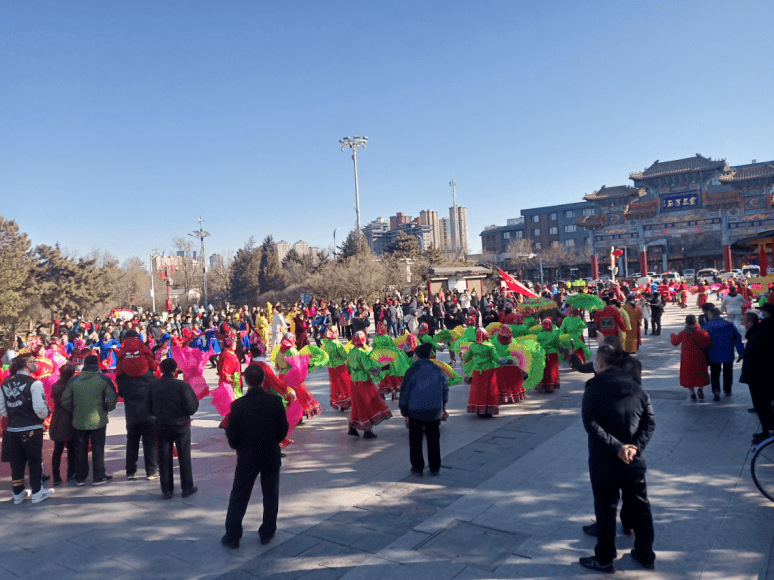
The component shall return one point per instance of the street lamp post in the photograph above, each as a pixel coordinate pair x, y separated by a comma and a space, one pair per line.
154, 252
334, 242
201, 234
354, 143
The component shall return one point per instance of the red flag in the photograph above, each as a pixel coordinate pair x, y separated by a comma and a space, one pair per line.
516, 286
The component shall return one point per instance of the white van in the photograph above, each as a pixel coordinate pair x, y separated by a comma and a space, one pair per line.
689, 275
751, 271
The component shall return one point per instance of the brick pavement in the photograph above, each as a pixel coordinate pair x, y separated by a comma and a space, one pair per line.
510, 500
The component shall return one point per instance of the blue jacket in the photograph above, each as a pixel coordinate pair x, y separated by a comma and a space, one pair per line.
424, 391
725, 338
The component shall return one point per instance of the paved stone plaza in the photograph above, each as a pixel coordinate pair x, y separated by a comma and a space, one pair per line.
510, 501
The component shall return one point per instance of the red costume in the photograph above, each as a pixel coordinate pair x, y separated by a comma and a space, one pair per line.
609, 321
510, 379
693, 364
134, 358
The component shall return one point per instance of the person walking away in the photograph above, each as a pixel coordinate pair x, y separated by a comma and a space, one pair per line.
90, 397
173, 402
61, 429
725, 339
732, 304
756, 370
23, 402
619, 419
656, 311
257, 424
424, 393
693, 362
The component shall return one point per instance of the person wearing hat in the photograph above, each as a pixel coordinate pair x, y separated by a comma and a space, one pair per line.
90, 396
368, 409
756, 368
483, 399
341, 382
510, 380
424, 394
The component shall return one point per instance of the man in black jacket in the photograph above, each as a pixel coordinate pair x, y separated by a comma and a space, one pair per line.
619, 420
140, 424
756, 372
172, 403
256, 426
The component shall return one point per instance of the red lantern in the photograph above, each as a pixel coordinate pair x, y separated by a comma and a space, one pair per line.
617, 253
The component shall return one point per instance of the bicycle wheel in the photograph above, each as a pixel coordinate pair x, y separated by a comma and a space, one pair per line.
762, 468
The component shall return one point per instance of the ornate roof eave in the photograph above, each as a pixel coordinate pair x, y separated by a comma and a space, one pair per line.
697, 164
763, 173
592, 222
619, 192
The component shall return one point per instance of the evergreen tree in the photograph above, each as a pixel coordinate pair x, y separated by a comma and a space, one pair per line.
271, 276
244, 274
15, 267
354, 245
404, 245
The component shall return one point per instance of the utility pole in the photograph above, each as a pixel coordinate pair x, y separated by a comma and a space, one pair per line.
354, 143
154, 252
201, 234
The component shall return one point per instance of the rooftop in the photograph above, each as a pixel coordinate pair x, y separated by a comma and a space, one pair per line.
605, 192
678, 166
748, 172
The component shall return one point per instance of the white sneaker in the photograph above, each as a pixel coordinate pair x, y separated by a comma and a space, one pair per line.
42, 495
20, 497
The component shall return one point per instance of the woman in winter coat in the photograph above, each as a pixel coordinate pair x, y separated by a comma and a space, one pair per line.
693, 362
61, 429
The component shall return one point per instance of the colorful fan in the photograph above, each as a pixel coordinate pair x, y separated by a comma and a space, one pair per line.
535, 329
318, 357
299, 368
522, 356
470, 334
537, 363
585, 302
565, 341
274, 354
384, 356
451, 375
443, 336
535, 304
457, 332
465, 346
693, 289
526, 337
401, 340
493, 327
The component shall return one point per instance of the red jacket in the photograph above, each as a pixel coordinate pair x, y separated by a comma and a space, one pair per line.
693, 364
609, 321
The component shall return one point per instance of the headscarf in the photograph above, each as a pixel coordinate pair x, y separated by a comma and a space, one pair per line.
359, 339
381, 329
518, 317
288, 341
270, 380
411, 343
423, 328
547, 324
331, 334
481, 335
504, 335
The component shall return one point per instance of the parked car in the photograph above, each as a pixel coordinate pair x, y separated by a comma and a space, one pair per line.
668, 277
711, 275
751, 271
644, 281
689, 275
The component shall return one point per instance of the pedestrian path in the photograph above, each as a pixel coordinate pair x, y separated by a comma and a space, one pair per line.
510, 501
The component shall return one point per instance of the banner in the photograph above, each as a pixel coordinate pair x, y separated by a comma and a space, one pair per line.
516, 286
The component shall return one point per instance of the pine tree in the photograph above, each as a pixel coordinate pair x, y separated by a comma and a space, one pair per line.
15, 267
404, 245
354, 245
244, 274
271, 276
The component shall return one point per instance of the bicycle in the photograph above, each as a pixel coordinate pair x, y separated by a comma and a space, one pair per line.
762, 467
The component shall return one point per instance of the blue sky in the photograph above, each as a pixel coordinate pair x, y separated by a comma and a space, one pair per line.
122, 122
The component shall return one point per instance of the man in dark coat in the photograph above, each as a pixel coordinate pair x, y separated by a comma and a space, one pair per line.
140, 424
256, 426
756, 372
172, 403
619, 420
424, 393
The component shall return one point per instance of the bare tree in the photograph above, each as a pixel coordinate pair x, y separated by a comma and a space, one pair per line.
187, 274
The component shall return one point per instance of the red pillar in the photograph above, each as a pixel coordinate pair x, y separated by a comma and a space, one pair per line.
594, 267
728, 260
644, 262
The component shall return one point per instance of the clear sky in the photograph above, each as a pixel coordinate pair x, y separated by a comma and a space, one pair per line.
122, 122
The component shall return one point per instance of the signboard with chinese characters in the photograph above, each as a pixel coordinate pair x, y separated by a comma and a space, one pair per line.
678, 201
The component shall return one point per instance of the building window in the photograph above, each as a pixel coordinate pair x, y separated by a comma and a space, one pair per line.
569, 213
552, 216
536, 233
569, 243
570, 228
535, 219
506, 235
554, 230
520, 234
588, 212
537, 246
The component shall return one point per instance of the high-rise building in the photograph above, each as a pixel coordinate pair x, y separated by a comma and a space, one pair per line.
301, 248
429, 217
460, 232
374, 231
399, 219
216, 260
446, 234
282, 249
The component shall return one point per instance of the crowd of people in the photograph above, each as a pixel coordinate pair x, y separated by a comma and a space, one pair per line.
68, 375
